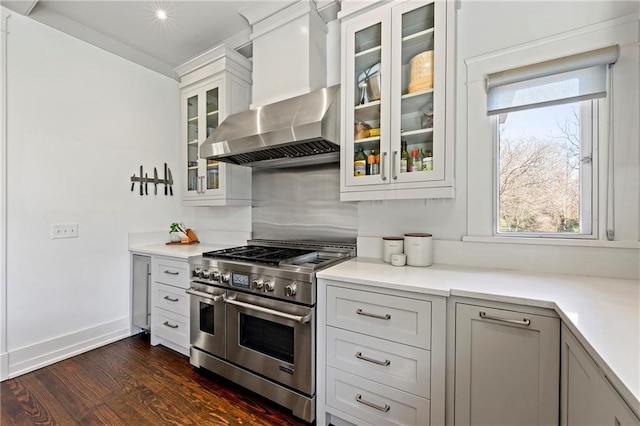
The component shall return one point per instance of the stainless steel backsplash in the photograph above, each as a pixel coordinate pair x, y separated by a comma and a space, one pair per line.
302, 203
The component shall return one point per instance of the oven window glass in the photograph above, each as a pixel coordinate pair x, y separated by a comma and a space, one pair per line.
267, 337
207, 320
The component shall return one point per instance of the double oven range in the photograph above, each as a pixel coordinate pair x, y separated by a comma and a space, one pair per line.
253, 316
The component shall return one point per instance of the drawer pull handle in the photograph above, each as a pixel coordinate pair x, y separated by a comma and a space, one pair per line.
367, 314
171, 299
171, 272
170, 325
375, 361
372, 405
524, 321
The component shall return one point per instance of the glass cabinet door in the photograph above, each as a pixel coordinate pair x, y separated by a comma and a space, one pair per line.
367, 155
417, 94
213, 119
192, 143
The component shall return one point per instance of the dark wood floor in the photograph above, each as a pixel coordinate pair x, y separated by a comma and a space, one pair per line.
130, 382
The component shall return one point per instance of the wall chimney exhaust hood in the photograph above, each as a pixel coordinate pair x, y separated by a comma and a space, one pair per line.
296, 131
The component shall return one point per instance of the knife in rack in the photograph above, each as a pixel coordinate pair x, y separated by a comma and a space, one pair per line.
133, 181
141, 193
155, 181
165, 178
146, 181
170, 182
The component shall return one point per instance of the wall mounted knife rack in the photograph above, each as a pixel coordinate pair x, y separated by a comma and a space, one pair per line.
144, 181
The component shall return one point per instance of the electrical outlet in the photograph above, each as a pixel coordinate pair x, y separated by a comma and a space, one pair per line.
64, 230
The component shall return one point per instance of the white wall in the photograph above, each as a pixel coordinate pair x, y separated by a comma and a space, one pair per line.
484, 27
81, 121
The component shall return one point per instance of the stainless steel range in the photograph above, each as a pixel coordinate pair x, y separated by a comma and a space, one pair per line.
253, 316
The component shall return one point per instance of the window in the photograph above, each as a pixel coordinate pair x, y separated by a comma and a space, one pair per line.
544, 179
544, 117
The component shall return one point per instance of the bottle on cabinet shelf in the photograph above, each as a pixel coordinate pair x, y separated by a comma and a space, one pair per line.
404, 157
360, 163
372, 165
412, 165
427, 163
419, 160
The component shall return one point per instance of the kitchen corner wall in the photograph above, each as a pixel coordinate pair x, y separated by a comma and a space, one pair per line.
81, 121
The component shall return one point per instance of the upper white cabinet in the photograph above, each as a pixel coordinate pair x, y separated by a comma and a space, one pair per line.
397, 132
214, 85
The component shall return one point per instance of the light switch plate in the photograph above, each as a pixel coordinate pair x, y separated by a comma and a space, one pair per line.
64, 230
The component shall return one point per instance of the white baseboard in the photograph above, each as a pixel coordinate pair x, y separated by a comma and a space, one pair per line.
41, 354
4, 366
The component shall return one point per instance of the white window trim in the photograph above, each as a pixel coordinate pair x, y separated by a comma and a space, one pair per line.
480, 158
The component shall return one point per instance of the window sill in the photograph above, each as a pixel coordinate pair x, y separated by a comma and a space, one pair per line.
553, 242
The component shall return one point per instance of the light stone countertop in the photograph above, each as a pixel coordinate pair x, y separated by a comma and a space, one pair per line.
603, 313
178, 251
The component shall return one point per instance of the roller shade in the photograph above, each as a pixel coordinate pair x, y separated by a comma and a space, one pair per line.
569, 79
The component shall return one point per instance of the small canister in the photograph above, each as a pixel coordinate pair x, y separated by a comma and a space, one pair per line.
418, 248
391, 245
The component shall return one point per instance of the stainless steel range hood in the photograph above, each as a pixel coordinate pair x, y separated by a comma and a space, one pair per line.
295, 131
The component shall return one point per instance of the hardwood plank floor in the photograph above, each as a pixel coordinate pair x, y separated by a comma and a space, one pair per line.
130, 382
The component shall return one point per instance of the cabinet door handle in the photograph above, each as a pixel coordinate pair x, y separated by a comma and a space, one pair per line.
394, 174
375, 361
367, 314
523, 321
384, 160
171, 272
171, 299
384, 408
170, 325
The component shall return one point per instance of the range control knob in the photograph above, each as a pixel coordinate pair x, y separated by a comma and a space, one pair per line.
258, 283
225, 277
204, 273
290, 289
196, 272
215, 275
269, 286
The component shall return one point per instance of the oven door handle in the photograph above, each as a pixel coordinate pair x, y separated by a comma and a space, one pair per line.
205, 295
297, 318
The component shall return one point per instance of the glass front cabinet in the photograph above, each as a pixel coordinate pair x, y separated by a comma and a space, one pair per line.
206, 100
398, 107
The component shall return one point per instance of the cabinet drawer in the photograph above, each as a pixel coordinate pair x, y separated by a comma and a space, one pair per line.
403, 367
399, 319
172, 272
375, 403
171, 299
171, 326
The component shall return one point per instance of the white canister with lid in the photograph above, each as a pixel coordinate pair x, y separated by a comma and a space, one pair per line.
418, 248
391, 245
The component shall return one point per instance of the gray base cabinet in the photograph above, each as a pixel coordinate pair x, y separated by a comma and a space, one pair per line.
170, 304
381, 356
506, 367
587, 398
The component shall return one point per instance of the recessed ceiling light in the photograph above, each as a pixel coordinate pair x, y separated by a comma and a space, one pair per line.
161, 14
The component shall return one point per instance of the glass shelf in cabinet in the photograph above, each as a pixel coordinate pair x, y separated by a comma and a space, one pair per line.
417, 132
365, 140
213, 112
414, 102
418, 20
367, 112
419, 36
192, 119
367, 59
193, 142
